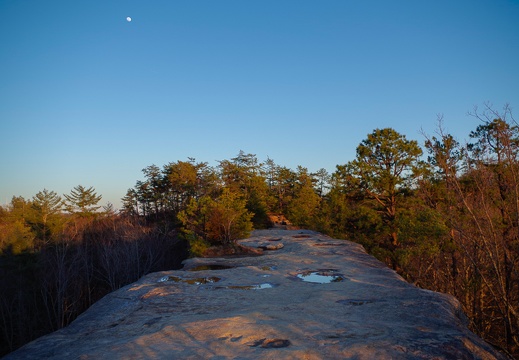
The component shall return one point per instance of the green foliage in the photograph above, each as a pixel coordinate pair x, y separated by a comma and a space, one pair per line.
244, 175
194, 218
130, 203
282, 182
228, 218
46, 218
386, 161
322, 179
16, 237
166, 192
256, 204
364, 225
423, 233
304, 204
197, 246
420, 225
19, 209
82, 201
387, 165
182, 182
219, 221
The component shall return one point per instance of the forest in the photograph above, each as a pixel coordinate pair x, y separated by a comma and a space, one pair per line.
443, 214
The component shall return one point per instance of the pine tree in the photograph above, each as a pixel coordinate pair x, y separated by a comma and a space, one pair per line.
82, 201
46, 217
386, 165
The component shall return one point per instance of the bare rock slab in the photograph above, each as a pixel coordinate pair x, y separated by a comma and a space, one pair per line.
311, 298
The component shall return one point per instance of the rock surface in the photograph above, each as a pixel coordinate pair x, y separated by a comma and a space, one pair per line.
313, 298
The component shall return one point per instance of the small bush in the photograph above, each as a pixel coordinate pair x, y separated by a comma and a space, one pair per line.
197, 246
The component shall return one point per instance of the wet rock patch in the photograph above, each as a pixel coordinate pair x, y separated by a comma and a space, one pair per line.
195, 281
249, 287
269, 343
268, 246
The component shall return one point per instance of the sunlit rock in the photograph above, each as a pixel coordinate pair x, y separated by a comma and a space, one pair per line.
314, 298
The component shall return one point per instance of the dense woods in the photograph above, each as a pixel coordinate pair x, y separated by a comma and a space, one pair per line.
445, 215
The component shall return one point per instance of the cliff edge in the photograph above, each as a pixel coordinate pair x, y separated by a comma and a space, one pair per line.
308, 297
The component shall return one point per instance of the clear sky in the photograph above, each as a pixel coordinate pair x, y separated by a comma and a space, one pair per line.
89, 98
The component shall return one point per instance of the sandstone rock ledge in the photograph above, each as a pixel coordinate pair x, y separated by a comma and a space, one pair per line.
311, 298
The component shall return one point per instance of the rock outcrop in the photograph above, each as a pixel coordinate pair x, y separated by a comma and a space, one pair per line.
310, 297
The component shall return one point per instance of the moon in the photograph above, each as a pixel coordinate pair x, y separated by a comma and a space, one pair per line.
129, 19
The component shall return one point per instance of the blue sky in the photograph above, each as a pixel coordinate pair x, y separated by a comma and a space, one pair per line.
89, 98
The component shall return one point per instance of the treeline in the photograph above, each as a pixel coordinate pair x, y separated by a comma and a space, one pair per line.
445, 215
217, 205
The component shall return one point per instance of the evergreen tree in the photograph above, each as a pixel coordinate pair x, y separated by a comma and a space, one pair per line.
322, 179
221, 221
16, 236
228, 218
130, 203
243, 175
304, 205
282, 190
46, 217
386, 165
82, 201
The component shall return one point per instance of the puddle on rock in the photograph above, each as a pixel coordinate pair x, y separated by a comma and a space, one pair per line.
249, 287
320, 276
211, 267
195, 281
